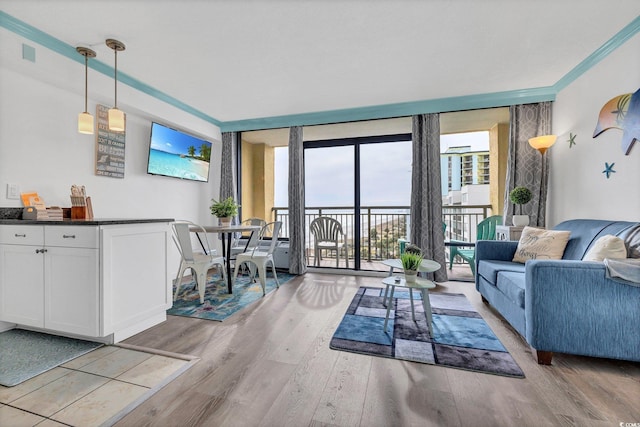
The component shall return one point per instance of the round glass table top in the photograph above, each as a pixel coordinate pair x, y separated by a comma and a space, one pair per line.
427, 265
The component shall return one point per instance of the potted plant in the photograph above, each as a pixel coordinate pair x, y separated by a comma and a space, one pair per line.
411, 260
224, 210
520, 196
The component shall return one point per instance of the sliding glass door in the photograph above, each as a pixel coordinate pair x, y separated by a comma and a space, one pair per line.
364, 184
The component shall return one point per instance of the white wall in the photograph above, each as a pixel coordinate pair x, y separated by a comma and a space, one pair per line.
41, 150
578, 188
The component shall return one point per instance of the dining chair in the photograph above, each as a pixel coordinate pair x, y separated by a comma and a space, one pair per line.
258, 257
238, 246
486, 230
328, 235
199, 263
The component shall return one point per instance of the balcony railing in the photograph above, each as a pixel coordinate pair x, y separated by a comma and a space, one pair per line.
382, 227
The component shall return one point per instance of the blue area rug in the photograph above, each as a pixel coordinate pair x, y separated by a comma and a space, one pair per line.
218, 303
26, 354
461, 338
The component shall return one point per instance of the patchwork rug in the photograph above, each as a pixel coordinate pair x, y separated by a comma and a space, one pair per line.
218, 303
26, 354
461, 338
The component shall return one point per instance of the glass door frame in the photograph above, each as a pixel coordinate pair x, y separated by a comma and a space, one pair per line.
356, 142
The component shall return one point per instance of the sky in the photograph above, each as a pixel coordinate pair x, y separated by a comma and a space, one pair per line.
173, 141
385, 172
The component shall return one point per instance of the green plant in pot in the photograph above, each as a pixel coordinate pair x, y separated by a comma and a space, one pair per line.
411, 260
520, 196
224, 210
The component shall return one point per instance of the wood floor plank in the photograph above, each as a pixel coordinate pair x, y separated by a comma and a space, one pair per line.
343, 396
271, 365
403, 393
298, 399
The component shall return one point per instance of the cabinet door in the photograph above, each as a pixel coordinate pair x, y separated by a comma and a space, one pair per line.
21, 285
71, 290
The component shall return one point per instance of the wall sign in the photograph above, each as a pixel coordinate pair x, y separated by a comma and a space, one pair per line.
109, 146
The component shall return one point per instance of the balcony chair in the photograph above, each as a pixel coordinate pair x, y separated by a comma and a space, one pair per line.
258, 258
328, 235
199, 263
486, 230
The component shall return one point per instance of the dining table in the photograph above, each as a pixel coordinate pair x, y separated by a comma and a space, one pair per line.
226, 232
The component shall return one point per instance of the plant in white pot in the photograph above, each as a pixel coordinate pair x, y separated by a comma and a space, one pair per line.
411, 259
224, 210
520, 196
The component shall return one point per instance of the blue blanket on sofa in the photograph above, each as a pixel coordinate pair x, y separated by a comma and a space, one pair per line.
623, 270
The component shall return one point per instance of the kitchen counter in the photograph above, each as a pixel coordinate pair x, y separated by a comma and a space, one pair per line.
94, 221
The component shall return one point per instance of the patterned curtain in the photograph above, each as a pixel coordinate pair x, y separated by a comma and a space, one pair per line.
297, 261
426, 192
228, 167
526, 167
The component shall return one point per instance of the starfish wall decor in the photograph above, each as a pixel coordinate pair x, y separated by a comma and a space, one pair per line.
608, 169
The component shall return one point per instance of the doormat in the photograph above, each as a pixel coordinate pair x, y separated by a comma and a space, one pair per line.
461, 337
26, 354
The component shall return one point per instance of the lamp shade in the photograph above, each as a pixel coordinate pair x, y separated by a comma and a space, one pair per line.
542, 143
85, 123
116, 120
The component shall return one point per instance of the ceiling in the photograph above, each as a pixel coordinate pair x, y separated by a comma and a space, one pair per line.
242, 60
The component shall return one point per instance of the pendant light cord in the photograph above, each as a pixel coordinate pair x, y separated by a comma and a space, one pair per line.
86, 85
115, 79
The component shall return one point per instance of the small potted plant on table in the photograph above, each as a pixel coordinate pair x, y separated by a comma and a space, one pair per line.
520, 196
411, 260
224, 210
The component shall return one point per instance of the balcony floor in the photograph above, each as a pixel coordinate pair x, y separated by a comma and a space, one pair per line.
459, 272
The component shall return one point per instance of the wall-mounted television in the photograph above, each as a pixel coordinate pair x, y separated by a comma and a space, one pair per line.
177, 154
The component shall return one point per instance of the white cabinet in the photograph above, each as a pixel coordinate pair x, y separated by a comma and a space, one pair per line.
71, 290
21, 286
106, 282
52, 281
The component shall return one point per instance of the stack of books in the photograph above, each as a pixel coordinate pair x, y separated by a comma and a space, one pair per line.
54, 213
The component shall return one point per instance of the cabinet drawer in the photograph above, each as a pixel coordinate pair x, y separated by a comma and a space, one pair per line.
22, 234
71, 236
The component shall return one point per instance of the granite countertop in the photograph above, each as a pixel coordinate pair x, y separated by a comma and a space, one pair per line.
95, 221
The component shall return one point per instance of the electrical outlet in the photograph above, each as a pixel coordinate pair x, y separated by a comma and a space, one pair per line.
13, 191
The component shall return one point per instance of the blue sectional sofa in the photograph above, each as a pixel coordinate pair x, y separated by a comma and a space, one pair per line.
567, 305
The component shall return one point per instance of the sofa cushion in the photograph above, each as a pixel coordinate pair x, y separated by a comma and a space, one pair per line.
584, 232
606, 247
538, 243
489, 269
511, 284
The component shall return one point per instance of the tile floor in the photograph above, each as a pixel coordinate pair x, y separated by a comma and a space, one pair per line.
91, 390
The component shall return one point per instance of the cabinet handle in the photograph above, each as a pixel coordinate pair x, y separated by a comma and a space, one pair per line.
20, 235
68, 236
40, 251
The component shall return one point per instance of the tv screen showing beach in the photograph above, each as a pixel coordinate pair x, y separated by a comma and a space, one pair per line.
178, 155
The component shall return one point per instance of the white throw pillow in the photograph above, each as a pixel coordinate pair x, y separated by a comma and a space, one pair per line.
538, 243
606, 247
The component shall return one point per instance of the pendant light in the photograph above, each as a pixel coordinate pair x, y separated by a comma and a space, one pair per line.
116, 117
85, 120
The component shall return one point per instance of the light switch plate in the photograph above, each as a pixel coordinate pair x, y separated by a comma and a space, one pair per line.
13, 191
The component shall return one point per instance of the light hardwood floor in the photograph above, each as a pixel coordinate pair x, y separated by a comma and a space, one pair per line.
271, 365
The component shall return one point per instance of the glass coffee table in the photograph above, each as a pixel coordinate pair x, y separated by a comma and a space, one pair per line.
421, 284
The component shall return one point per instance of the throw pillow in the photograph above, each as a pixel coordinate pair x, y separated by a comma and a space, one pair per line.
538, 243
606, 247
